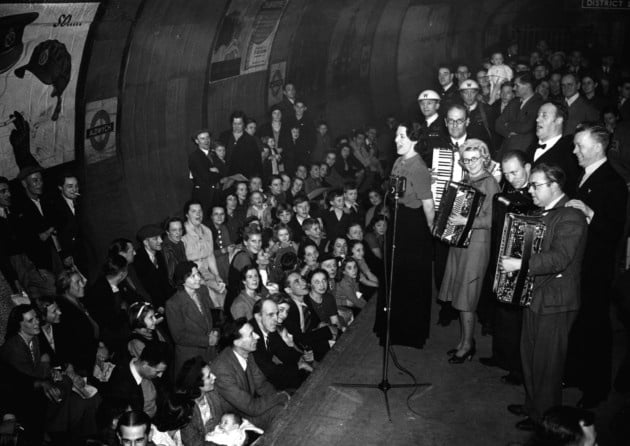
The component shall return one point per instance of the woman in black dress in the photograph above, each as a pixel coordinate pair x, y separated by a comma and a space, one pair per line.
411, 291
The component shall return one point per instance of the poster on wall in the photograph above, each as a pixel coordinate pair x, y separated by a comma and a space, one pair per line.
245, 38
41, 47
100, 130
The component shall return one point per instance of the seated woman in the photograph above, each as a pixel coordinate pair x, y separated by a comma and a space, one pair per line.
143, 323
189, 318
252, 244
339, 247
321, 302
69, 418
379, 207
308, 255
172, 247
367, 279
77, 334
375, 237
296, 190
199, 246
195, 382
251, 291
347, 295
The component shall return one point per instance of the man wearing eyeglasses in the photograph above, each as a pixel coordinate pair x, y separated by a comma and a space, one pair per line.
556, 296
456, 124
602, 196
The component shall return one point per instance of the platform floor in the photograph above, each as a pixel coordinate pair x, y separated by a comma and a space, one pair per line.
464, 405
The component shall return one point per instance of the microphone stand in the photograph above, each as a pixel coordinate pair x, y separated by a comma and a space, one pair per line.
384, 386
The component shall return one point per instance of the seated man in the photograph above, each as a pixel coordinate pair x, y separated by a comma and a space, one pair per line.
299, 322
151, 266
242, 386
282, 365
133, 427
136, 384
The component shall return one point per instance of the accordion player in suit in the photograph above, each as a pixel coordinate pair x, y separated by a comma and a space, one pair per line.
556, 296
504, 318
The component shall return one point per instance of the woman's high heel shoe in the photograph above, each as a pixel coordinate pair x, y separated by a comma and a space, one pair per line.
467, 356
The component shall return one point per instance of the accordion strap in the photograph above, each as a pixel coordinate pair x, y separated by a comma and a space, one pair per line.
528, 240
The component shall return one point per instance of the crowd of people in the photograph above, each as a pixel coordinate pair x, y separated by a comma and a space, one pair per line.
200, 330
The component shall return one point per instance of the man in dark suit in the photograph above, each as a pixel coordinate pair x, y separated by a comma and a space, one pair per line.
448, 89
517, 123
151, 266
506, 319
9, 241
579, 108
36, 228
299, 323
65, 214
623, 103
281, 364
602, 196
204, 174
552, 147
289, 94
337, 219
481, 117
107, 303
432, 128
136, 384
556, 299
240, 382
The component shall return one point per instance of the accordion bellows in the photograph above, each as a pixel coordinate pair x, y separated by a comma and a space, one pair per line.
522, 236
457, 199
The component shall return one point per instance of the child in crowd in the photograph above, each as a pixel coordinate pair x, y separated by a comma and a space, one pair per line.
347, 295
259, 209
497, 74
232, 431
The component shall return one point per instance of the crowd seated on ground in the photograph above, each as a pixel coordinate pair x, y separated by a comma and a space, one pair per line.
224, 310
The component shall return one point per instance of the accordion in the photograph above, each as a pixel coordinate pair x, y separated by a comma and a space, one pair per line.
522, 236
445, 167
457, 199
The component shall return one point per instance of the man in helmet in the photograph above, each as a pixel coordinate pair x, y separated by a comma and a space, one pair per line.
481, 124
433, 129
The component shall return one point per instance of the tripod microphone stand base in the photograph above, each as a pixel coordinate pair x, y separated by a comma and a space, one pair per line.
384, 386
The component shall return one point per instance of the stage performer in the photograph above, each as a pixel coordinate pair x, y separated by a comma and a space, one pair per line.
556, 299
411, 290
466, 267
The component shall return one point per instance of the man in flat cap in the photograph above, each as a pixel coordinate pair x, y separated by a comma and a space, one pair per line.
35, 227
151, 265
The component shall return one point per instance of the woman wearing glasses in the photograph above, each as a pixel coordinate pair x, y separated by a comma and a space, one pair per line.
466, 267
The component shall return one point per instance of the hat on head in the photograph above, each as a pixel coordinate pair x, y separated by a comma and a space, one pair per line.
11, 32
429, 94
469, 84
326, 256
148, 231
28, 171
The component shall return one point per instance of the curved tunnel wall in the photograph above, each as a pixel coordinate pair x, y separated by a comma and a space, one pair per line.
353, 61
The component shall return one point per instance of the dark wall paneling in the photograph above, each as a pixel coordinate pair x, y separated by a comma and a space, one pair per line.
162, 102
106, 202
383, 68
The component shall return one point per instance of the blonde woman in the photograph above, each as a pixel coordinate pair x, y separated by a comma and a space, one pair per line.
466, 267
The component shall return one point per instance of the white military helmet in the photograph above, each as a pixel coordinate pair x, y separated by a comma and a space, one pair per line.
469, 84
429, 94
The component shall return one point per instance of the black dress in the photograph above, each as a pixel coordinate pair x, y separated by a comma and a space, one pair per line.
411, 282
